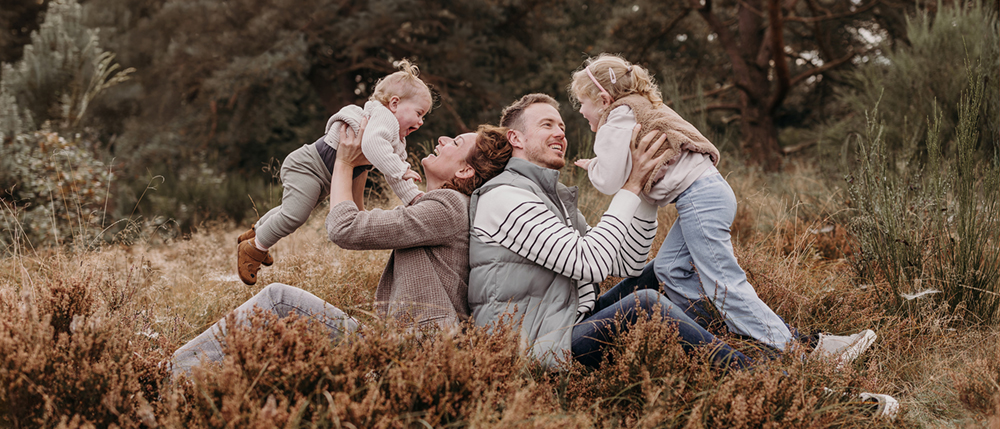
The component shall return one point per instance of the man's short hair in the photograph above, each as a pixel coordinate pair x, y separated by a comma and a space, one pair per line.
511, 116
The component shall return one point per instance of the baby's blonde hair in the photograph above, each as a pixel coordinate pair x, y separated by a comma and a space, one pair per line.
629, 79
403, 84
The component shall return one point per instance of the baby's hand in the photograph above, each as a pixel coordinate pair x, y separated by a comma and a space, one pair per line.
583, 163
410, 174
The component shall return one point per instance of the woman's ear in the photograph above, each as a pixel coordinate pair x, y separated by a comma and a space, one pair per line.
393, 103
466, 172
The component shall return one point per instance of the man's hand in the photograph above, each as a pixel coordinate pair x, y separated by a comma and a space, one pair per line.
410, 174
583, 163
643, 159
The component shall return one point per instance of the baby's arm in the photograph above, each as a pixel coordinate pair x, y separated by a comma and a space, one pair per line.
387, 153
378, 146
610, 167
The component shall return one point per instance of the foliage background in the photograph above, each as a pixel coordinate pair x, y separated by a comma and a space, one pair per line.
222, 91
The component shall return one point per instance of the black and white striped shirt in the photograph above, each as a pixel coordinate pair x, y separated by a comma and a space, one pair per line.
618, 245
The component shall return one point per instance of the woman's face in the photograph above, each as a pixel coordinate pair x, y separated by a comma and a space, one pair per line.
449, 157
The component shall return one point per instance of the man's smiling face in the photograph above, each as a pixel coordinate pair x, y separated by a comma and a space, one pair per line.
543, 139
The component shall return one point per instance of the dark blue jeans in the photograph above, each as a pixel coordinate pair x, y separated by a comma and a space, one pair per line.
624, 301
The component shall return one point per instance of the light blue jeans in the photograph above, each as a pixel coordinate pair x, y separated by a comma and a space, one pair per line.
700, 239
279, 298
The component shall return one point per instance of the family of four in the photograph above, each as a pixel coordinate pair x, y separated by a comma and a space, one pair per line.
497, 234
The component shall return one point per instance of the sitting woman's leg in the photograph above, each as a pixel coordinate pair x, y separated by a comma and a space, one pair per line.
281, 299
597, 331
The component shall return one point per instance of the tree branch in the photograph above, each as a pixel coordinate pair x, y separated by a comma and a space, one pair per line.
830, 16
663, 32
795, 81
729, 44
715, 91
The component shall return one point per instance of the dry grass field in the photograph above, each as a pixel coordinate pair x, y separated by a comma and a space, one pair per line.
85, 337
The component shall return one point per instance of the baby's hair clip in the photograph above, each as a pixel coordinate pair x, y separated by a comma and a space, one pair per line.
614, 79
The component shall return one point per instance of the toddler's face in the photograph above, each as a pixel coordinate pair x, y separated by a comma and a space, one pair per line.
410, 114
591, 110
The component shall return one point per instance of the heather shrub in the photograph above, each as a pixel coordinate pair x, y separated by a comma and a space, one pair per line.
288, 372
648, 380
978, 384
62, 361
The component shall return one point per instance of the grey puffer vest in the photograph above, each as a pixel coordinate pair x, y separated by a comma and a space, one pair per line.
502, 282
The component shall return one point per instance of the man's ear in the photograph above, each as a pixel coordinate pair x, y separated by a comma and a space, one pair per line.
393, 103
466, 172
514, 137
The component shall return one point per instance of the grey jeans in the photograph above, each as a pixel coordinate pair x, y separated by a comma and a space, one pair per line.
305, 182
279, 298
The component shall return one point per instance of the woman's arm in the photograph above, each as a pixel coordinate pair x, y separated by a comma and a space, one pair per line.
439, 218
359, 190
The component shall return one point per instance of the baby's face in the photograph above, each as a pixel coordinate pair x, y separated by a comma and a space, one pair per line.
410, 114
591, 110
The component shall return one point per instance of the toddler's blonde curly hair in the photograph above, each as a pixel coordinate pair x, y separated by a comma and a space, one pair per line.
618, 77
403, 84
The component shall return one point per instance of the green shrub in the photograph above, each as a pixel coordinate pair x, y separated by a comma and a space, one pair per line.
53, 186
54, 190
934, 227
923, 78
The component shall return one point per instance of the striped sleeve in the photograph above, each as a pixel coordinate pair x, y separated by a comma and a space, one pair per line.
519, 221
635, 249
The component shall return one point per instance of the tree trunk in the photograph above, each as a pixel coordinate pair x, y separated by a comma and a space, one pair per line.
751, 55
759, 140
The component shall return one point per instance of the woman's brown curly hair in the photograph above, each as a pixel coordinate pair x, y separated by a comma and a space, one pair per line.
488, 158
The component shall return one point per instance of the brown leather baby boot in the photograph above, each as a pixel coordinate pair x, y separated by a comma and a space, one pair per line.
252, 233
249, 260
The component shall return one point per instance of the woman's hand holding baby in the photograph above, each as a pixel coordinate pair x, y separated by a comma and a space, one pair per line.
349, 150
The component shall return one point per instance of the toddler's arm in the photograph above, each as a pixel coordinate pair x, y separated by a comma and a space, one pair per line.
610, 168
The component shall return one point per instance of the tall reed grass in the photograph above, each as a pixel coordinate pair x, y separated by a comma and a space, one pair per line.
931, 229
